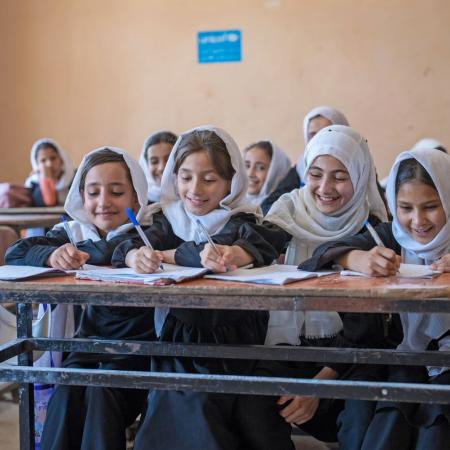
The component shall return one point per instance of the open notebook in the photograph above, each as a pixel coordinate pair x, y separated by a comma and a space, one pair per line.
278, 274
405, 271
171, 274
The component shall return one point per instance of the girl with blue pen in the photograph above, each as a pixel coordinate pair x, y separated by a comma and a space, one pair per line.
107, 182
204, 221
418, 193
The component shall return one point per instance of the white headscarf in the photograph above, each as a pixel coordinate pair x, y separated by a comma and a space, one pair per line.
419, 329
427, 143
183, 222
332, 114
279, 167
63, 184
154, 189
81, 226
297, 213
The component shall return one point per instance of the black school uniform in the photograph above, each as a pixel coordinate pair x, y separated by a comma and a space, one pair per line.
290, 182
262, 426
91, 418
398, 426
192, 420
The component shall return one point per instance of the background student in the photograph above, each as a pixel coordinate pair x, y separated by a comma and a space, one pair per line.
266, 165
418, 193
154, 155
88, 417
52, 174
339, 196
204, 180
314, 121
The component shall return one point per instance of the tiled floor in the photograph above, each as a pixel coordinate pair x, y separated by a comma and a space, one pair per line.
9, 430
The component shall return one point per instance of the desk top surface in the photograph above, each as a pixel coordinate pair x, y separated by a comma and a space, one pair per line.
328, 286
33, 210
327, 293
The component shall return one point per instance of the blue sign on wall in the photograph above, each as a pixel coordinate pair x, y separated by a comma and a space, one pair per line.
219, 46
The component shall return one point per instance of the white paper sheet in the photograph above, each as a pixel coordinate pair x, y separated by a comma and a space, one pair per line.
13, 273
405, 271
277, 274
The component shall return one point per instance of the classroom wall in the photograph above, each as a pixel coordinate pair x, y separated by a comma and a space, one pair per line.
109, 72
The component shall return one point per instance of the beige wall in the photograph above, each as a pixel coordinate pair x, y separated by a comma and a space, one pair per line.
109, 72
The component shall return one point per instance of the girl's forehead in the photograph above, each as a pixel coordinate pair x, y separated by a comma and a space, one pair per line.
328, 162
108, 170
45, 151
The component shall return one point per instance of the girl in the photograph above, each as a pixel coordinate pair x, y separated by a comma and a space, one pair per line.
204, 180
154, 155
266, 166
80, 417
52, 173
339, 196
314, 121
418, 196
51, 177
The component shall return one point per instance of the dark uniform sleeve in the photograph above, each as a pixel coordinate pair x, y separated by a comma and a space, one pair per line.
160, 235
290, 182
34, 251
326, 254
257, 240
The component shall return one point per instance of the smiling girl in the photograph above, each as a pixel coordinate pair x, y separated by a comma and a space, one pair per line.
339, 196
154, 155
266, 166
204, 180
418, 192
80, 417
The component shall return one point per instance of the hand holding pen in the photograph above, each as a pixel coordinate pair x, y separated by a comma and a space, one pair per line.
380, 261
67, 257
221, 258
145, 259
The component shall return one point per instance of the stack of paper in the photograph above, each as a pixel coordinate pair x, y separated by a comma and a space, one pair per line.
171, 274
405, 271
276, 274
13, 273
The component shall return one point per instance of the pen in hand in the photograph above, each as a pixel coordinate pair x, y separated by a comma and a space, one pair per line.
141, 233
375, 237
69, 233
205, 233
374, 234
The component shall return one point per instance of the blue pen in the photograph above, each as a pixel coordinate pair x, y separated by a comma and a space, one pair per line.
141, 233
69, 232
374, 234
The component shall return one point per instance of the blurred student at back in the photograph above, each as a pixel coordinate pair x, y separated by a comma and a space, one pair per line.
154, 155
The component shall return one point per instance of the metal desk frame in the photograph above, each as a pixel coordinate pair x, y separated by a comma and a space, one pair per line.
328, 293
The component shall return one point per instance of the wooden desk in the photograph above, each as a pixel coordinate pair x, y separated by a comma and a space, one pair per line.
31, 217
329, 293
